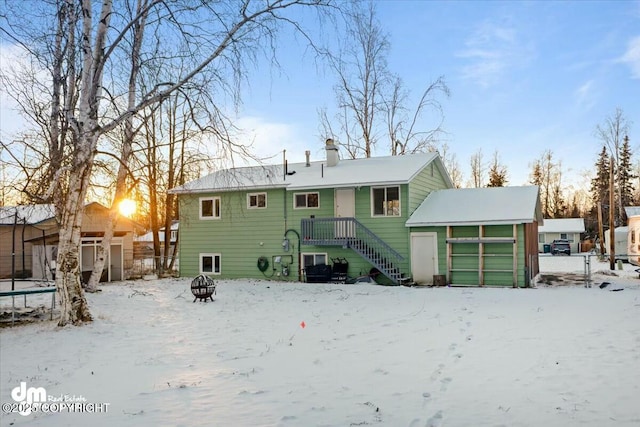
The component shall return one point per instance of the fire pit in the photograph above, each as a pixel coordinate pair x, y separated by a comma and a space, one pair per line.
202, 288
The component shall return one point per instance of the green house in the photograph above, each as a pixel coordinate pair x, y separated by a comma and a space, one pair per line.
295, 221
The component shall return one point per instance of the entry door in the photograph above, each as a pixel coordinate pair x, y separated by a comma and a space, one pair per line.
345, 207
424, 257
115, 264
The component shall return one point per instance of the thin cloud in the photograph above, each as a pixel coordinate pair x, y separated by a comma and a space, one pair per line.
268, 139
584, 95
632, 57
490, 52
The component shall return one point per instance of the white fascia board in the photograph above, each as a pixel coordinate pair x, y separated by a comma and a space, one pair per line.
464, 223
345, 185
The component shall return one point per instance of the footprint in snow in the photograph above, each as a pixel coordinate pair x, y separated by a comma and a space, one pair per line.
435, 420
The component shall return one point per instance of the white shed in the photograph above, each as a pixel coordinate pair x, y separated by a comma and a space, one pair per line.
633, 236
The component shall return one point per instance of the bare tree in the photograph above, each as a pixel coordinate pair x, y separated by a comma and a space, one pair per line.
478, 168
547, 174
91, 38
612, 133
402, 123
372, 101
449, 160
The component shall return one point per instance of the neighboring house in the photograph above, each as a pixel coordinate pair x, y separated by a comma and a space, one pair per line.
19, 225
633, 239
561, 228
143, 245
279, 221
40, 242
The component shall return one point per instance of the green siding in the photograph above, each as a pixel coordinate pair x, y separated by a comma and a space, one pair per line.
242, 235
465, 258
428, 180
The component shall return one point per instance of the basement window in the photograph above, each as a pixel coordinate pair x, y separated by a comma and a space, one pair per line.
210, 208
385, 201
210, 263
256, 200
306, 200
311, 259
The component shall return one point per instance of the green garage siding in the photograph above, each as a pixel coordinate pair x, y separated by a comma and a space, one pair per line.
462, 261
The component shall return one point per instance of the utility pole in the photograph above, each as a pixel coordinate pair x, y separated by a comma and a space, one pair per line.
612, 226
603, 249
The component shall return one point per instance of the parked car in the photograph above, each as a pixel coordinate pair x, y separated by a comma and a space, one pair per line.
560, 247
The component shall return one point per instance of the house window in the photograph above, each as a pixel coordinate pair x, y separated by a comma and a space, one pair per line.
633, 237
311, 259
256, 200
210, 208
563, 236
174, 235
306, 200
210, 263
385, 201
540, 238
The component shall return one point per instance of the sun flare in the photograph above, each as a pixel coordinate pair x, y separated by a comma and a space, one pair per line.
127, 207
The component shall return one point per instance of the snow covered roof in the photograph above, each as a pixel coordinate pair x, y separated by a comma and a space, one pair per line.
632, 211
347, 173
562, 225
475, 206
27, 214
148, 237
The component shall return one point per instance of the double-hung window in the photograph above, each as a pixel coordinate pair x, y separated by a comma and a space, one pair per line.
256, 200
385, 201
210, 263
210, 208
306, 200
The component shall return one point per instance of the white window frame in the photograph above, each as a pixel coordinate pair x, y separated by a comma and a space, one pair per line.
385, 188
256, 195
295, 198
214, 200
213, 263
314, 255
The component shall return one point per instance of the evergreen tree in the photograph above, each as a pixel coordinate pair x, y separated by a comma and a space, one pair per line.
625, 177
497, 173
600, 184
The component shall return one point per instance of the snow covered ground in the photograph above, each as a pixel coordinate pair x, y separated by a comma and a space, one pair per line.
274, 354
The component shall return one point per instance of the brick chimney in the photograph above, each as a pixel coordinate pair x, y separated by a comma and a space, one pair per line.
332, 153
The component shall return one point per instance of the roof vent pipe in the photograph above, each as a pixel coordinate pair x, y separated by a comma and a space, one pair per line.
332, 153
308, 156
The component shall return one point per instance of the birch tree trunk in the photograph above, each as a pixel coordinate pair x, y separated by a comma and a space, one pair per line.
104, 250
84, 47
73, 306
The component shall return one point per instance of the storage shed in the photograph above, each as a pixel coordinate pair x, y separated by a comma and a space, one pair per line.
476, 237
633, 239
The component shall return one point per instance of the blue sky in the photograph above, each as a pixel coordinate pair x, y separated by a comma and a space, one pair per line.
525, 77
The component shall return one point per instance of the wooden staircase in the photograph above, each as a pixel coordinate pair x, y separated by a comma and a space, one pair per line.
350, 233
